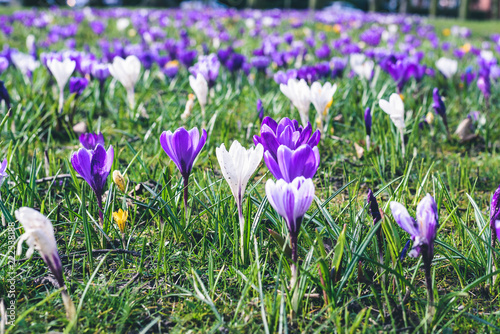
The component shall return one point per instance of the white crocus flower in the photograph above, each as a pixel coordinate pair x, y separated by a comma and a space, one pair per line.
25, 63
300, 94
321, 98
127, 71
200, 88
39, 235
448, 67
61, 70
396, 110
122, 23
238, 165
361, 66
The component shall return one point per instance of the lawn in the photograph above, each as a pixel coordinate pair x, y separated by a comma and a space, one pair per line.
210, 264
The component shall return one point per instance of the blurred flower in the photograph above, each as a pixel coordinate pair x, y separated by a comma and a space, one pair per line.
119, 180
208, 67
25, 63
447, 67
183, 147
238, 165
483, 83
94, 167
4, 95
120, 218
100, 71
61, 70
127, 71
189, 107
97, 27
361, 66
171, 68
287, 133
439, 108
91, 140
260, 109
302, 161
368, 126
39, 235
4, 64
291, 201
200, 88
495, 216
77, 85
300, 95
446, 32
3, 174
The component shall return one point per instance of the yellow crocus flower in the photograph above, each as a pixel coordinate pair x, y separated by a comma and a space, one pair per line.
120, 218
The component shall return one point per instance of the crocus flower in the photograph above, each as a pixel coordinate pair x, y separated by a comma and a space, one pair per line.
4, 95
300, 95
422, 232
91, 140
120, 218
395, 109
200, 88
25, 63
4, 64
291, 201
286, 132
238, 165
127, 71
361, 66
495, 216
290, 164
77, 85
119, 180
439, 107
260, 109
61, 70
321, 97
94, 166
483, 83
447, 67
368, 126
183, 147
208, 67
39, 235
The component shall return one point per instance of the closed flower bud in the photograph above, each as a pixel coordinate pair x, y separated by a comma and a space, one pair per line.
119, 180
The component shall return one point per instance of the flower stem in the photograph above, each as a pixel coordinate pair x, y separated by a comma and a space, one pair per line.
243, 246
131, 98
402, 142
295, 265
186, 195
427, 259
367, 142
61, 101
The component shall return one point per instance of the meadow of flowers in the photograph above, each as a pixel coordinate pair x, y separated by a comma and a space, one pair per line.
247, 171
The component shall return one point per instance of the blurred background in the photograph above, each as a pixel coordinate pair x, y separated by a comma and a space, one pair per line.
464, 9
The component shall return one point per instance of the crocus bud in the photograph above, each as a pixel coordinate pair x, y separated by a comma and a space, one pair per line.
119, 180
368, 121
260, 109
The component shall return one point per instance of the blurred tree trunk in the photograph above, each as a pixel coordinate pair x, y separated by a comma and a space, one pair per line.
312, 4
433, 6
463, 12
403, 6
494, 9
372, 5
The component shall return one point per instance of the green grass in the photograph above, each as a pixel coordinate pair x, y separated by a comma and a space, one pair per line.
185, 275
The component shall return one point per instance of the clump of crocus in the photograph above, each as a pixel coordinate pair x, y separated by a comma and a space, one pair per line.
396, 110
39, 235
299, 93
439, 108
287, 132
291, 201
127, 71
61, 70
238, 165
368, 126
423, 233
322, 98
93, 163
183, 147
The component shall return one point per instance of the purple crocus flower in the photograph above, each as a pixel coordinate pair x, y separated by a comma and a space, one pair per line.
291, 200
4, 64
91, 140
303, 161
3, 173
439, 107
208, 66
422, 232
286, 132
260, 109
77, 85
94, 166
483, 83
260, 63
4, 95
97, 27
368, 121
495, 216
183, 147
100, 71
